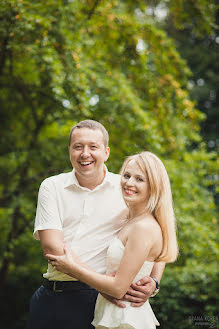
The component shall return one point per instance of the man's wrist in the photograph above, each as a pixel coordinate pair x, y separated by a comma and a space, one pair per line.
157, 287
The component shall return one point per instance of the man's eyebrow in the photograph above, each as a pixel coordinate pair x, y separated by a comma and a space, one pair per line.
80, 143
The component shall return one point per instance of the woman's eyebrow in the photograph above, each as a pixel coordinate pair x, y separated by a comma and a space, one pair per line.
139, 176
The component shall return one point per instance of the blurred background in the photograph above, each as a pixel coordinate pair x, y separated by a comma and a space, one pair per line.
148, 71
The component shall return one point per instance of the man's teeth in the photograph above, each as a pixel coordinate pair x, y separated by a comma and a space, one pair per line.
85, 163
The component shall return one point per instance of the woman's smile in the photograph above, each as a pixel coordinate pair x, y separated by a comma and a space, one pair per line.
129, 191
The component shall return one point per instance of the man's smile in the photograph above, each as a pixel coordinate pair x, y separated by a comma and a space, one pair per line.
86, 163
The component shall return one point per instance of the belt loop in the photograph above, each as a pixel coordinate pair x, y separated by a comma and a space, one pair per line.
54, 287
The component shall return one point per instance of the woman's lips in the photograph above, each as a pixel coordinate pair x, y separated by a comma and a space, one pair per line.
129, 191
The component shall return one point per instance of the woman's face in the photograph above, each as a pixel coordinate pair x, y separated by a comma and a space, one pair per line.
134, 183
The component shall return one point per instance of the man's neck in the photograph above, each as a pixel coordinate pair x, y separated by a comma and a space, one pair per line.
91, 183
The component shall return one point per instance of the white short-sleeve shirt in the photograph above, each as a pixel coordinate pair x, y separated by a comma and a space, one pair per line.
89, 219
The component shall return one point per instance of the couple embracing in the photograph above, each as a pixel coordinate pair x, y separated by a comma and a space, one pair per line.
105, 233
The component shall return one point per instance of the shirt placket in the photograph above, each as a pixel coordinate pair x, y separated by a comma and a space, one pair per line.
87, 210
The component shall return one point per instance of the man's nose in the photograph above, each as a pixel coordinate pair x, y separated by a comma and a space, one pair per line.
85, 152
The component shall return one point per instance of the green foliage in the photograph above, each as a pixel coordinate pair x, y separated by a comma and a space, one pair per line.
186, 292
64, 61
201, 54
199, 15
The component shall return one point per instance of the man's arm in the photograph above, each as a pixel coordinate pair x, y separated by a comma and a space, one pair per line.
157, 271
52, 242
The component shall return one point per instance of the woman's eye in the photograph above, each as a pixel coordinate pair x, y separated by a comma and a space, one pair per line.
93, 147
139, 179
126, 176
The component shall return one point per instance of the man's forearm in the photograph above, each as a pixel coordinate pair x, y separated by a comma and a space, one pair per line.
157, 270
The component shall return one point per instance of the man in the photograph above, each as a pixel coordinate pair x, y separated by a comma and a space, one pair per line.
82, 209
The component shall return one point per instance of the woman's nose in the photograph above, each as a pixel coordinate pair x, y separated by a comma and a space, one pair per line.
130, 181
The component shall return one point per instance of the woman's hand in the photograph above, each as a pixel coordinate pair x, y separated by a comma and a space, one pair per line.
67, 263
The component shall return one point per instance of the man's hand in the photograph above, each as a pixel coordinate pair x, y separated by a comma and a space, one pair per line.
117, 302
140, 291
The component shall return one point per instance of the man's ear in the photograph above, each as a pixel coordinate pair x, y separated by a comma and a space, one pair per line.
69, 152
107, 153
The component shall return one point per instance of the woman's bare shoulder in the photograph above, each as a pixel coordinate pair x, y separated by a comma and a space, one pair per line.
147, 225
148, 233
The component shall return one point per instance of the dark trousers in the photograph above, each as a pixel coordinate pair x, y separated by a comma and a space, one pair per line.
71, 309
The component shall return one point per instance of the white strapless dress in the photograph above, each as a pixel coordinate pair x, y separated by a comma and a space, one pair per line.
108, 315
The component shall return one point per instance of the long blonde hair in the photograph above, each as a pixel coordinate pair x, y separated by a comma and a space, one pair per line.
159, 202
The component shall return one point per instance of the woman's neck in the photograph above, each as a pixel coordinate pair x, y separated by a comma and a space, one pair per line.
136, 212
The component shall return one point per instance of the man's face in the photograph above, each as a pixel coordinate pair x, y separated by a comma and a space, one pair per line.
88, 154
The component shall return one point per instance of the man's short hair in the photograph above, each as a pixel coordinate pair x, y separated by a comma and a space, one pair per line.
91, 124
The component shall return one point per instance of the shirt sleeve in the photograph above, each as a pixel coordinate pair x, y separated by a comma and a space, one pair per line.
47, 213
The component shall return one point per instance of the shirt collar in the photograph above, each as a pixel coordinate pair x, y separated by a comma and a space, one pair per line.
72, 181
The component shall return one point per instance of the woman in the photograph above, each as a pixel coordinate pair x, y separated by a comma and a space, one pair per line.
148, 235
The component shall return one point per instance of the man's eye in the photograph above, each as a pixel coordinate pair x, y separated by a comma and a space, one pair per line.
77, 147
93, 147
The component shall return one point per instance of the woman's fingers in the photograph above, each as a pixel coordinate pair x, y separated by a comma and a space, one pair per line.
50, 257
51, 261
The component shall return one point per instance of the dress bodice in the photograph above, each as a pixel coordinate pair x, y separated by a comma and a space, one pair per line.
115, 254
110, 316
